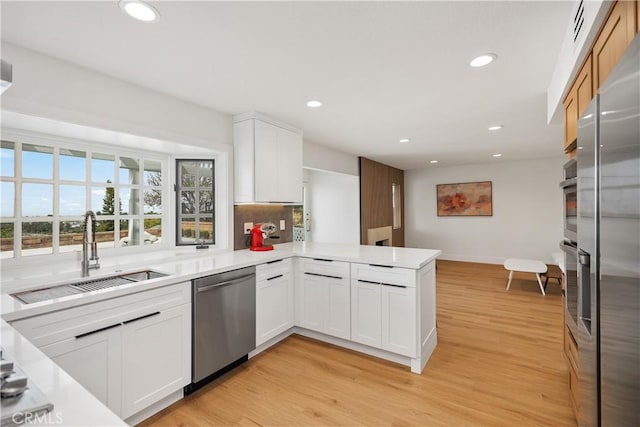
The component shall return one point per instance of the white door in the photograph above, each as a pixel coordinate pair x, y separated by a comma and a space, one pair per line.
399, 334
274, 307
338, 313
156, 358
313, 302
266, 163
95, 362
289, 169
366, 322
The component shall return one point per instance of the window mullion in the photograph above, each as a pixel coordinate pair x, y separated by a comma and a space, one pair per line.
17, 208
55, 225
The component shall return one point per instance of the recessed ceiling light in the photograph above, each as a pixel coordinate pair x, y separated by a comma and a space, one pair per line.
588, 116
314, 103
433, 161
483, 60
497, 127
405, 140
497, 155
139, 10
579, 148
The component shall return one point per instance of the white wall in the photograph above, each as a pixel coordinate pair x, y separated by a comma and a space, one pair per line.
527, 211
47, 87
334, 202
316, 156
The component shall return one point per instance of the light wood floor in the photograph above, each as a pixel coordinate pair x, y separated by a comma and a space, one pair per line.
498, 362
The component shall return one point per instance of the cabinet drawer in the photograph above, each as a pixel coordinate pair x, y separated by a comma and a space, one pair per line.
384, 275
274, 268
335, 269
571, 348
57, 326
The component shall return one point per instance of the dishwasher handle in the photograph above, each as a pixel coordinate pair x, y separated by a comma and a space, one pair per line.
227, 283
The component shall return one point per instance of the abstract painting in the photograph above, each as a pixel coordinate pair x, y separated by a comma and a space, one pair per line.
465, 199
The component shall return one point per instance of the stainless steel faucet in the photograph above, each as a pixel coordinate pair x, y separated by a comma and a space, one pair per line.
86, 262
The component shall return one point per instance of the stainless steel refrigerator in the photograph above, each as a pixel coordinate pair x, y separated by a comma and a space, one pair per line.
609, 250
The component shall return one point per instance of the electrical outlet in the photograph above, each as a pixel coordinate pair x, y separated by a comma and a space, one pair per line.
282, 224
247, 227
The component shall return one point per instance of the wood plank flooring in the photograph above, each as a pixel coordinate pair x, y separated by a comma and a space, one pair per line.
498, 362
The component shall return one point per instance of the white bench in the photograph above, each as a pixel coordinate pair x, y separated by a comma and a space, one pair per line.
527, 266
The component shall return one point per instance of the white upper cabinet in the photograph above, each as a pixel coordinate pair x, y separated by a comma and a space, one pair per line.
267, 160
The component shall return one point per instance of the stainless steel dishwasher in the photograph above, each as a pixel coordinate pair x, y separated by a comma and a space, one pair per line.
224, 322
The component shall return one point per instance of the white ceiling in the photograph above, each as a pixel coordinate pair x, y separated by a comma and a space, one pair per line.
384, 70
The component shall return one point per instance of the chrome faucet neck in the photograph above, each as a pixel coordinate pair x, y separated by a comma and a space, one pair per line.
86, 261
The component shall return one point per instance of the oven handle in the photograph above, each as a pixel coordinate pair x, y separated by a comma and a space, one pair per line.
571, 182
568, 248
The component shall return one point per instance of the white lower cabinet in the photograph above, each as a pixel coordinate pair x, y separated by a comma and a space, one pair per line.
384, 315
274, 300
324, 297
156, 360
130, 352
366, 320
94, 361
399, 320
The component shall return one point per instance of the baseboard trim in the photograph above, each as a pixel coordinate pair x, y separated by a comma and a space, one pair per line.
155, 408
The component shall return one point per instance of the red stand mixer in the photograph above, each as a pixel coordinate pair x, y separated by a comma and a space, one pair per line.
259, 233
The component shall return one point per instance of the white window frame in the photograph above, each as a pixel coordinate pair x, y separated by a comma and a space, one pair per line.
56, 142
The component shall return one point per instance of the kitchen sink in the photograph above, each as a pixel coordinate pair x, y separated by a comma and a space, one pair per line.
46, 294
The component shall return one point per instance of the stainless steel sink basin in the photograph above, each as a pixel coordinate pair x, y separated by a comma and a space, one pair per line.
45, 294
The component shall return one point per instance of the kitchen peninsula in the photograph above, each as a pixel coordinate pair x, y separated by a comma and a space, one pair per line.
376, 300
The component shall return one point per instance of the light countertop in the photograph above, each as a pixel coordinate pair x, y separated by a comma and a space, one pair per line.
183, 266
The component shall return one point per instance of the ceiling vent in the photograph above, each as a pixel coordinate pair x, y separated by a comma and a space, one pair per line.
578, 21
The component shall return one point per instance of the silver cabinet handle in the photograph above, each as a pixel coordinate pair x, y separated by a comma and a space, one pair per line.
276, 277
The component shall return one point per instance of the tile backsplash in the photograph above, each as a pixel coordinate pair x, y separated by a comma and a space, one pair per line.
258, 214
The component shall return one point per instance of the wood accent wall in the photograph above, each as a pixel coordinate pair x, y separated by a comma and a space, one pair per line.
376, 209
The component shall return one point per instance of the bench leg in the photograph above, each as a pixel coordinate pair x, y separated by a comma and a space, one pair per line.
510, 276
540, 284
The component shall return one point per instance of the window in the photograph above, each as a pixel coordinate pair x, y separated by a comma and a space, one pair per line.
196, 202
46, 187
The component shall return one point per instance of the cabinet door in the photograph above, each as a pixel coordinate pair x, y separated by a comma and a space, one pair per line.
583, 88
313, 301
616, 35
95, 362
289, 168
366, 322
399, 321
274, 306
570, 119
338, 312
266, 162
156, 358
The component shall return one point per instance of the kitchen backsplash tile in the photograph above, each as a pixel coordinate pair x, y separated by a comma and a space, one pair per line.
258, 214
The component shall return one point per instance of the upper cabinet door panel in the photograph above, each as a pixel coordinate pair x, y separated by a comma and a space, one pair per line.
584, 92
290, 166
616, 35
266, 162
570, 119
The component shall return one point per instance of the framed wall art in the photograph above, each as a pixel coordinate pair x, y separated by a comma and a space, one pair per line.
465, 199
